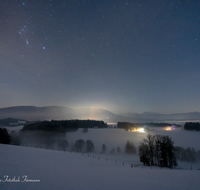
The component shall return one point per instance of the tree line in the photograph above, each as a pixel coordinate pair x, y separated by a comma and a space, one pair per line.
192, 126
83, 146
64, 125
188, 154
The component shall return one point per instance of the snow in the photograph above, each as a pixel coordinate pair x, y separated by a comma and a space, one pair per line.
113, 138
72, 171
64, 170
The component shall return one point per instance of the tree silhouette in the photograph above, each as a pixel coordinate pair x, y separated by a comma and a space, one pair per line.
118, 150
158, 150
63, 145
89, 146
4, 136
79, 145
130, 148
103, 149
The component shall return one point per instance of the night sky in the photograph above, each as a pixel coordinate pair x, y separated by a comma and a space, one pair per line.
120, 55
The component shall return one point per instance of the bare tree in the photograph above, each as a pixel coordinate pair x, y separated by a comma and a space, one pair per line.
157, 150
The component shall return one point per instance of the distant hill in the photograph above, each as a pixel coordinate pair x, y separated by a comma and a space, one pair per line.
157, 117
32, 113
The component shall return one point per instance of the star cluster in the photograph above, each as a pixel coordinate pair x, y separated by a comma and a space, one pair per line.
121, 55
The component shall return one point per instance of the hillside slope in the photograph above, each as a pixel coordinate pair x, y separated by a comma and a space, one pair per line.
63, 170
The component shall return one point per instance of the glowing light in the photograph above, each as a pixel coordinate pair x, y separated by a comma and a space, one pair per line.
141, 130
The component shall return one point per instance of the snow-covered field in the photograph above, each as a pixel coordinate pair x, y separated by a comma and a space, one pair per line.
118, 137
64, 170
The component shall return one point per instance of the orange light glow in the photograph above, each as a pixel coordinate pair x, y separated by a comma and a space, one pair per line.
141, 130
168, 129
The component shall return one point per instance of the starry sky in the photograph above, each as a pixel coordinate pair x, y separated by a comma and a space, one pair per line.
120, 55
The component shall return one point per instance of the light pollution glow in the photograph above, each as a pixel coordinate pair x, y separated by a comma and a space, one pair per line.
169, 128
141, 130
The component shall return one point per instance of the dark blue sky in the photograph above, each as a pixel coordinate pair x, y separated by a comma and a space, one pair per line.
121, 55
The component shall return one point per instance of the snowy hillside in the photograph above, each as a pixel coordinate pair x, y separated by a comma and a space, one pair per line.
52, 169
63, 170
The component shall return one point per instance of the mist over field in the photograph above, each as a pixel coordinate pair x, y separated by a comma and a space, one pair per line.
111, 137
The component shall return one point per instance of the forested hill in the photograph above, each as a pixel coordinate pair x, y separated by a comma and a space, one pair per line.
64, 125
